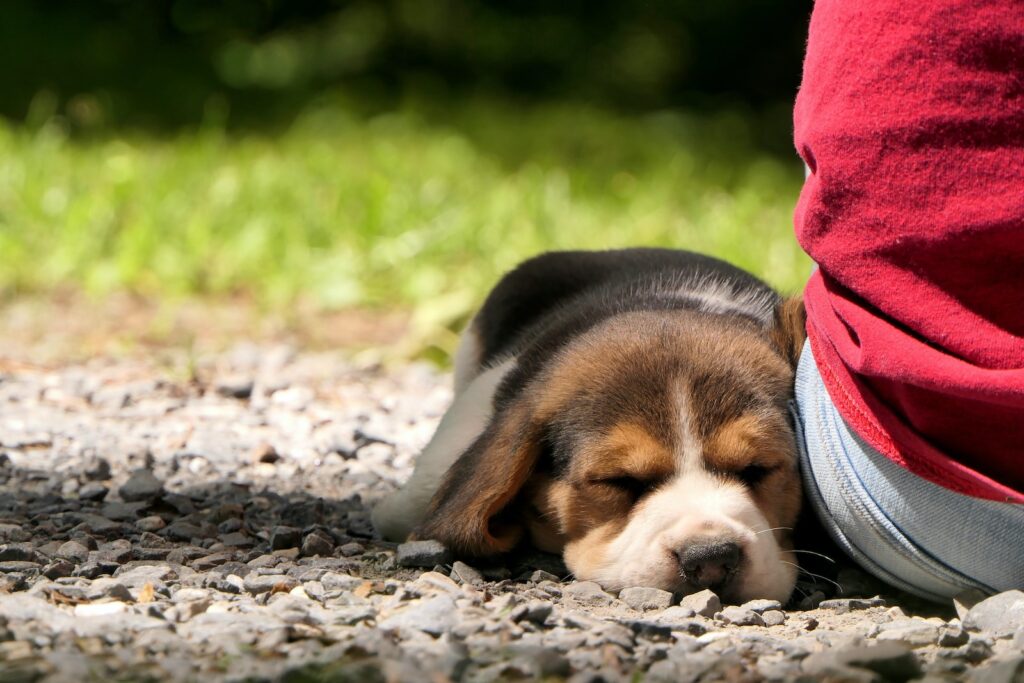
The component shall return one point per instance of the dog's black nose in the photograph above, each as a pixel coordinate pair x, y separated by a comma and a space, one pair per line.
709, 563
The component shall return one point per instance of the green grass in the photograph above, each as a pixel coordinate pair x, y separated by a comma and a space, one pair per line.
418, 209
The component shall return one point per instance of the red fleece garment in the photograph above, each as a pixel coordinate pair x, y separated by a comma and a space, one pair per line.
911, 119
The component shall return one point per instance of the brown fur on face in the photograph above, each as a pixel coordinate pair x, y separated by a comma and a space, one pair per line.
639, 412
607, 410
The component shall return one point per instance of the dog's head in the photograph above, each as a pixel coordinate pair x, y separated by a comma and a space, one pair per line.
654, 449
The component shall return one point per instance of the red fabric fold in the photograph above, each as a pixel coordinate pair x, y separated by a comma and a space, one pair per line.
911, 119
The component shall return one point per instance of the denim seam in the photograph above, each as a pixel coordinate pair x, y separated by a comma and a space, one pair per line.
856, 497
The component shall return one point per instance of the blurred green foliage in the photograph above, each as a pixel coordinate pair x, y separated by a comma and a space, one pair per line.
406, 208
250, 62
393, 153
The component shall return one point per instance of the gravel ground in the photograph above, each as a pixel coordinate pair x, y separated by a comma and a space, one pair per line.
208, 520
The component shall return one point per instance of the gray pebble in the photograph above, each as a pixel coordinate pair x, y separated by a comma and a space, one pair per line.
463, 573
432, 615
92, 491
739, 616
317, 543
914, 632
262, 583
953, 636
541, 575
284, 537
704, 603
761, 606
13, 533
73, 551
1002, 614
234, 386
1004, 671
844, 605
151, 523
588, 593
351, 549
774, 617
422, 554
534, 612
891, 661
643, 598
141, 485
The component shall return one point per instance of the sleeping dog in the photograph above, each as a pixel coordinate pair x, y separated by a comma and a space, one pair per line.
628, 410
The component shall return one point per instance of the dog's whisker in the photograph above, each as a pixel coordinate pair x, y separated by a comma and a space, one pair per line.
774, 528
811, 552
812, 574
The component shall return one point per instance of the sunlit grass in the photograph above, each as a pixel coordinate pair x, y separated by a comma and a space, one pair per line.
400, 210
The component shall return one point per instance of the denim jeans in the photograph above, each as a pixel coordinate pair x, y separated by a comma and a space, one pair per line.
909, 532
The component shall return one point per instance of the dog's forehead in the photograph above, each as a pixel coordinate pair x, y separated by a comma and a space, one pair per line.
617, 390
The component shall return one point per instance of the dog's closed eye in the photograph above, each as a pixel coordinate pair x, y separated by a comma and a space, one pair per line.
752, 475
635, 487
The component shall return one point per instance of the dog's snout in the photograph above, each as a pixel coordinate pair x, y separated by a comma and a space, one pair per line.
709, 563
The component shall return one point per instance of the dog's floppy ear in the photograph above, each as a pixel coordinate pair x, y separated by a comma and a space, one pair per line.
466, 512
789, 328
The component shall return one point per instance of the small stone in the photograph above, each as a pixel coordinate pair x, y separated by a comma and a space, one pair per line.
845, 605
73, 551
317, 543
17, 566
433, 615
13, 533
967, 599
235, 386
18, 552
123, 512
463, 573
422, 554
151, 523
1005, 671
761, 606
533, 612
236, 540
588, 593
705, 603
953, 636
141, 485
92, 490
108, 588
642, 598
739, 616
774, 617
263, 583
58, 569
264, 453
208, 562
541, 575
914, 632
98, 469
1001, 615
181, 530
284, 537
351, 549
891, 661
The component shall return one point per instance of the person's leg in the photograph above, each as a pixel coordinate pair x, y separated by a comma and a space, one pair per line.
913, 534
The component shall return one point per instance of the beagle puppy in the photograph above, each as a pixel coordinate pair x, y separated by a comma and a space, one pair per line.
628, 410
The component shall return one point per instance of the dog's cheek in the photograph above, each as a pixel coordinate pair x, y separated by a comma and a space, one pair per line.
587, 557
546, 514
779, 499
